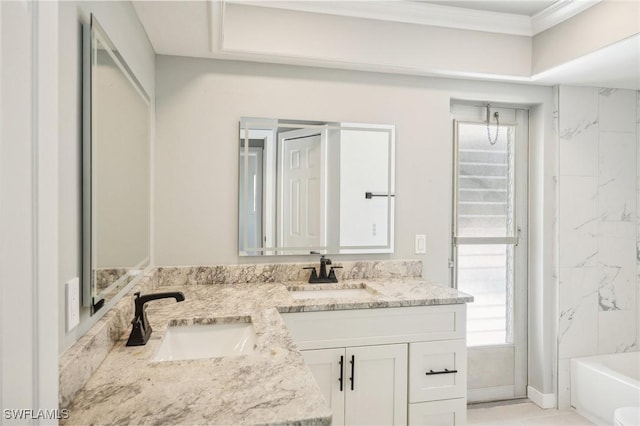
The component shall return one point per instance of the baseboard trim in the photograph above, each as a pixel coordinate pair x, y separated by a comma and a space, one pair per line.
542, 400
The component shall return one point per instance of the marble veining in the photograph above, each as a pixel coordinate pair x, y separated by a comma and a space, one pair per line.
578, 311
617, 176
570, 133
78, 363
607, 299
272, 385
104, 277
282, 272
598, 248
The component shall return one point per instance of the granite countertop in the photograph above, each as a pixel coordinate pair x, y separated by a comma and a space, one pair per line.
272, 385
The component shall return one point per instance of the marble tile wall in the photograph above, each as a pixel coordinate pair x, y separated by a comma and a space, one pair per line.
598, 228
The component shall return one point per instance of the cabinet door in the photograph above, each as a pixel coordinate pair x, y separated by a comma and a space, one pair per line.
376, 385
326, 367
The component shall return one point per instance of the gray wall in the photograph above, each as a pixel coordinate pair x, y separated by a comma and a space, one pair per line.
199, 104
121, 23
120, 146
200, 101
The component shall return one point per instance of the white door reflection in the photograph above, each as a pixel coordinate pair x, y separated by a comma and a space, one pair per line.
302, 203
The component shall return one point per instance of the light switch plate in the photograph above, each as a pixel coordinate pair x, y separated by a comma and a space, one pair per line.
72, 297
421, 244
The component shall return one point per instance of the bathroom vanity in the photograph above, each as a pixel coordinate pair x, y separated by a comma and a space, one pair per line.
392, 352
377, 354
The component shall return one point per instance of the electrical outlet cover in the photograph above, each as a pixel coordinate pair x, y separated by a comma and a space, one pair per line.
72, 297
421, 244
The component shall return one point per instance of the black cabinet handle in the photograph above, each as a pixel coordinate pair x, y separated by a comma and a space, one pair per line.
370, 195
431, 372
341, 371
353, 369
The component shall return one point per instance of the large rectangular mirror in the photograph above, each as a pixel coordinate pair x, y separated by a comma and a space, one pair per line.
315, 186
116, 187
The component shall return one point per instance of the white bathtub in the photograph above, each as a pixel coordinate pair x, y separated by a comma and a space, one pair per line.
600, 384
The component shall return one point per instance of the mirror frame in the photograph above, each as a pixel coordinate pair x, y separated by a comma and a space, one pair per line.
91, 34
253, 123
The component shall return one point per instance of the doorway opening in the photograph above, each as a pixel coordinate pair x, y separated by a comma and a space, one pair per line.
489, 256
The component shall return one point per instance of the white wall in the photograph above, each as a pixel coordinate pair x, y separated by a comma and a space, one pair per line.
121, 23
597, 225
200, 102
28, 208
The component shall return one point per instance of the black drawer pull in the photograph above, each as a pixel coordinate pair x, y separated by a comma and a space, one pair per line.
353, 370
431, 372
341, 371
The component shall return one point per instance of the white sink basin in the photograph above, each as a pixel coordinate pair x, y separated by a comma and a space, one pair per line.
206, 341
339, 293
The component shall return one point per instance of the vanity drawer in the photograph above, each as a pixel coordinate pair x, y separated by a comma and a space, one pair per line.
357, 327
439, 413
437, 370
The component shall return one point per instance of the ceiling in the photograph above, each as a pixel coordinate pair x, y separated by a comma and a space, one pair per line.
195, 28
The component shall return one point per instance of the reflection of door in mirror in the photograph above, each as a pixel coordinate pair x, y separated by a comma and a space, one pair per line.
302, 203
315, 177
252, 225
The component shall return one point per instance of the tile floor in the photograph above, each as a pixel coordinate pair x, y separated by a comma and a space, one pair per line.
523, 413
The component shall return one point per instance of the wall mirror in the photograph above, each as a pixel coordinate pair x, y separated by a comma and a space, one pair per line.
116, 172
315, 186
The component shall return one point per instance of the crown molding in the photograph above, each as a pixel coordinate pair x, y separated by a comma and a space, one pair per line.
559, 12
408, 12
215, 24
413, 12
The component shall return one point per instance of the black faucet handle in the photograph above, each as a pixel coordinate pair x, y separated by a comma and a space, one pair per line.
314, 273
141, 327
332, 273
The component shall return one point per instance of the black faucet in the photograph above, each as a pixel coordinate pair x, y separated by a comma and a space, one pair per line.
141, 328
314, 278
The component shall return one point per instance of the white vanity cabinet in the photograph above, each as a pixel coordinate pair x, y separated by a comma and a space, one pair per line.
364, 385
410, 363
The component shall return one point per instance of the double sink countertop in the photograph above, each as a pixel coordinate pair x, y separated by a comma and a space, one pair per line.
271, 385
